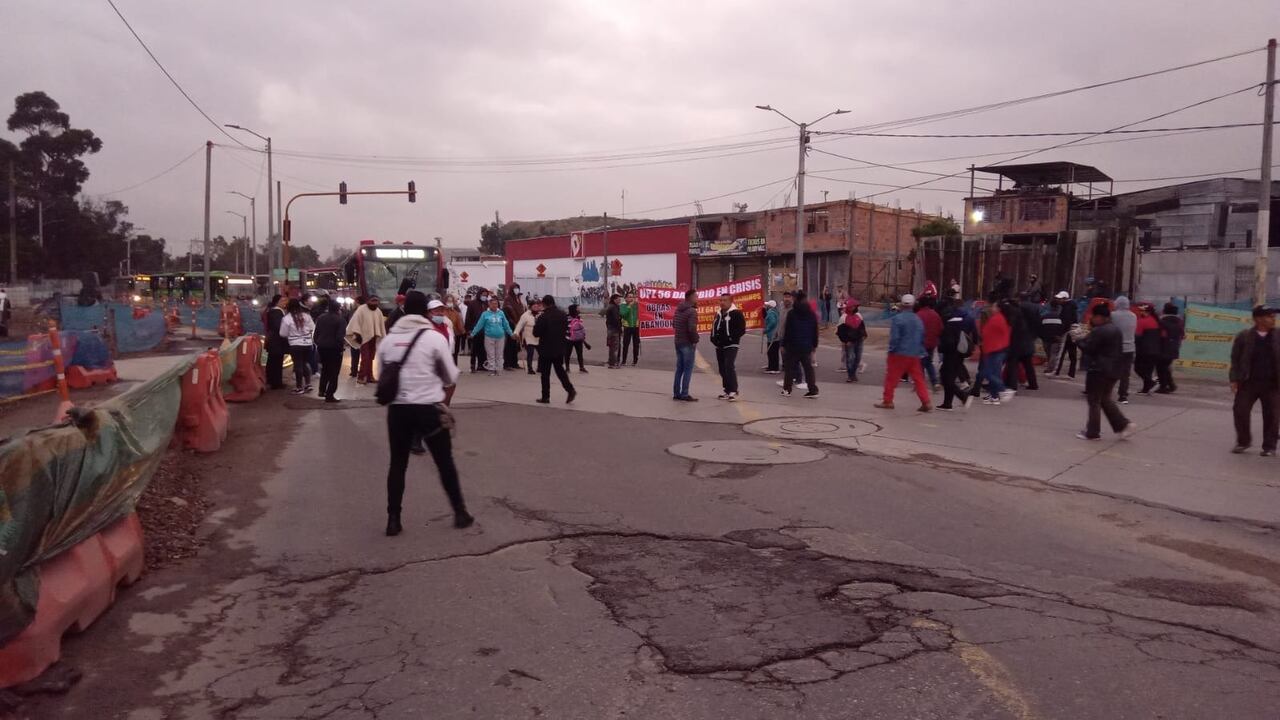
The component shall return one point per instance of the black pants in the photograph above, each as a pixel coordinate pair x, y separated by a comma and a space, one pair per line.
1145, 366
478, 353
301, 355
459, 343
1126, 366
275, 369
631, 339
1069, 351
952, 366
355, 361
1254, 392
1098, 389
511, 354
613, 340
726, 361
330, 369
575, 346
548, 362
1011, 367
793, 362
404, 423
775, 356
529, 352
1164, 371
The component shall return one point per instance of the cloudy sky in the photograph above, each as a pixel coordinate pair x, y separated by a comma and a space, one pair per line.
524, 107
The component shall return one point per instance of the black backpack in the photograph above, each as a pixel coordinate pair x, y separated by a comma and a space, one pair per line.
389, 380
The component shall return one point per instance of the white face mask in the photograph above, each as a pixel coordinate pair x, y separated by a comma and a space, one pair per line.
439, 319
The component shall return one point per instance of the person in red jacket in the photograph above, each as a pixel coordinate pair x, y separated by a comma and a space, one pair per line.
995, 332
932, 334
1146, 347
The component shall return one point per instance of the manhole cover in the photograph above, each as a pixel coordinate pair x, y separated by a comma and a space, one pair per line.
746, 452
810, 428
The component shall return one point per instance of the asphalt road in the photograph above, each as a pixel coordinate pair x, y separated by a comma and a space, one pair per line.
607, 577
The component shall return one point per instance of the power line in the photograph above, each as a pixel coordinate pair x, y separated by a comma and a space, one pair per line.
886, 185
1190, 177
157, 176
1044, 134
869, 163
771, 183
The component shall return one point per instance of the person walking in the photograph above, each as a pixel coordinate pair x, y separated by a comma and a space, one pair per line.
1035, 291
277, 345
365, 329
551, 330
1022, 344
727, 329
631, 329
932, 323
954, 346
476, 307
1124, 319
1255, 378
6, 311
354, 351
995, 333
495, 329
419, 411
524, 333
1172, 332
1104, 345
772, 339
298, 329
906, 348
1070, 318
577, 338
1146, 347
613, 330
684, 324
1051, 333
329, 338
452, 311
852, 333
824, 305
799, 341
513, 307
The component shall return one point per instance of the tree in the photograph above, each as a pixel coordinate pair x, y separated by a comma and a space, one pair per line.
492, 241
944, 227
303, 256
149, 255
338, 255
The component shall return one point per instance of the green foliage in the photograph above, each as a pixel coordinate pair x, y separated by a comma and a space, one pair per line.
944, 227
493, 239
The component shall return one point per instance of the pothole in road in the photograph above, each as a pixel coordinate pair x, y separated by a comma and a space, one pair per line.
811, 428
746, 452
764, 608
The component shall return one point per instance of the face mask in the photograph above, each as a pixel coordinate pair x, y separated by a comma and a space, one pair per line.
484, 298
439, 319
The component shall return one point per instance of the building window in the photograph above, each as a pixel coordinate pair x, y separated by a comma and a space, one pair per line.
988, 211
1037, 209
818, 222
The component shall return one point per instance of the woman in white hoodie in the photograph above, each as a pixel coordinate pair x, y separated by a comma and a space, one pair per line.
297, 328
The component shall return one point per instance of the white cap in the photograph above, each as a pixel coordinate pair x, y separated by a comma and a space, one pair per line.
908, 299
434, 304
1063, 295
771, 303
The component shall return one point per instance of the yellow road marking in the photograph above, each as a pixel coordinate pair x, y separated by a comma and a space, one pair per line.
995, 677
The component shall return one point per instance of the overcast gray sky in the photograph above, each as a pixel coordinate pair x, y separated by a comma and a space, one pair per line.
503, 79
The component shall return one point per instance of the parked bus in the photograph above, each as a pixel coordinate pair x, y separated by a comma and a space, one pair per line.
132, 288
387, 270
185, 287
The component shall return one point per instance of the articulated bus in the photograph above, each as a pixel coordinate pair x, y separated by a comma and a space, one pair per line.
190, 286
387, 270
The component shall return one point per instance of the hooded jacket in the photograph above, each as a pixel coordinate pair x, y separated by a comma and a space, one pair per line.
1124, 319
800, 334
1104, 345
728, 327
1171, 334
995, 333
1242, 350
298, 331
685, 324
428, 370
550, 328
771, 324
1147, 338
330, 329
932, 322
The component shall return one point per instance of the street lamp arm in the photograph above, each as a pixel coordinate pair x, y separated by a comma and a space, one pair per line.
245, 129
770, 108
237, 192
824, 117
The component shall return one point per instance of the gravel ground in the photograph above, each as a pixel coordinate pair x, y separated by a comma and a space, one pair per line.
171, 510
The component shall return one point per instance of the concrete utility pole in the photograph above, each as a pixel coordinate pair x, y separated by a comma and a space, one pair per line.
271, 225
208, 181
13, 224
1263, 233
606, 257
800, 219
279, 225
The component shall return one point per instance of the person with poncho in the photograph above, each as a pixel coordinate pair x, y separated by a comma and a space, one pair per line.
367, 326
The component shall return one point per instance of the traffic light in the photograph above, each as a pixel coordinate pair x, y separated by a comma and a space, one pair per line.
342, 192
413, 192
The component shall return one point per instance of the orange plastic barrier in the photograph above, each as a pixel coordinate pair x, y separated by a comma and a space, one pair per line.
202, 413
250, 378
229, 321
80, 378
75, 588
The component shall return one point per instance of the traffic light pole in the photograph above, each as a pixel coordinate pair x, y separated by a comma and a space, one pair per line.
287, 231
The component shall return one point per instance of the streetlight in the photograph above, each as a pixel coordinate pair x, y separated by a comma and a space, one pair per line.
800, 220
272, 230
253, 211
244, 231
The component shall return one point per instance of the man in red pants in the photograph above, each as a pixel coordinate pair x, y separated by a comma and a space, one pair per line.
906, 347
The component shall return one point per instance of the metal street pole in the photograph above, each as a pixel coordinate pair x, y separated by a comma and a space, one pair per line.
1263, 233
271, 219
279, 230
13, 224
250, 253
606, 258
244, 237
208, 185
128, 255
801, 225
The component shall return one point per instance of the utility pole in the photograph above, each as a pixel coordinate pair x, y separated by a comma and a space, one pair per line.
279, 224
253, 249
128, 255
208, 183
270, 216
1263, 233
606, 258
13, 224
800, 223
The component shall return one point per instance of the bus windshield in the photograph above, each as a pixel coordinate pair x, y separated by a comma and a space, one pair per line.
386, 270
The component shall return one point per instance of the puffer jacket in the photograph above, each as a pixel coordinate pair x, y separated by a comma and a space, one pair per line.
685, 324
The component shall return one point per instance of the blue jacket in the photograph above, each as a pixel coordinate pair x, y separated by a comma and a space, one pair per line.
771, 324
493, 323
906, 335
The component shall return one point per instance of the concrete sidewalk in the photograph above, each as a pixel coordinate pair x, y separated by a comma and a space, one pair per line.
1178, 459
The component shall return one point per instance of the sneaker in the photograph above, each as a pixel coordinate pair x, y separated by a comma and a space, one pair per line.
1081, 435
884, 405
991, 401
543, 401
1239, 449
733, 397
1007, 395
332, 399
463, 520
1163, 391
1124, 401
1144, 392
944, 408
723, 396
306, 390
1267, 453
773, 372
811, 394
785, 393
298, 391
926, 408
689, 398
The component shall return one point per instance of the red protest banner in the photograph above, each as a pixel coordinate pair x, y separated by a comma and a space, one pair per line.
658, 305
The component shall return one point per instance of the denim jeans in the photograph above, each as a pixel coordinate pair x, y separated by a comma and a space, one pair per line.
684, 370
853, 357
926, 361
989, 370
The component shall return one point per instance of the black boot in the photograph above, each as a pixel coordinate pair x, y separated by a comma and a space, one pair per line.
462, 519
393, 524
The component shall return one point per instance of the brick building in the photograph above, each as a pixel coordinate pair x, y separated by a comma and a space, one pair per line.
864, 248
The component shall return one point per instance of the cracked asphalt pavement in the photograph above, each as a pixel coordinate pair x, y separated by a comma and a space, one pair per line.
607, 578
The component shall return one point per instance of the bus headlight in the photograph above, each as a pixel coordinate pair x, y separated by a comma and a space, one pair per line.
255, 302
137, 298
